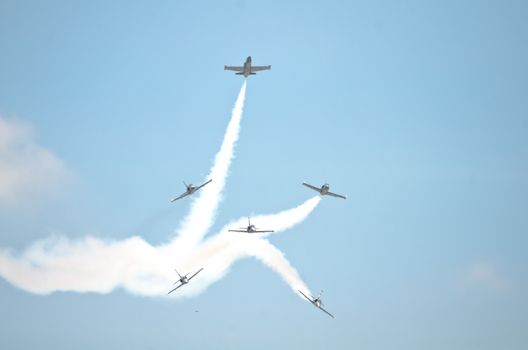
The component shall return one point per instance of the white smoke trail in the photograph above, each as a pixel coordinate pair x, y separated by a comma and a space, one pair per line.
93, 265
228, 247
285, 220
219, 252
203, 209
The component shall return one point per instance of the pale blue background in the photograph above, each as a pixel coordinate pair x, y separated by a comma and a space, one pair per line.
418, 110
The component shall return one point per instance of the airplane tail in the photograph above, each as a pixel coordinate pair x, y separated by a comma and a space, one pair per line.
239, 73
178, 273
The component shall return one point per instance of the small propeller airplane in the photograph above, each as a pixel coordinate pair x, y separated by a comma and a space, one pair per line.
250, 229
324, 190
247, 69
317, 302
190, 190
183, 279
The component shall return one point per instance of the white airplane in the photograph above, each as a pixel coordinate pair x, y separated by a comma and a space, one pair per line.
250, 229
324, 190
190, 190
317, 302
247, 69
183, 279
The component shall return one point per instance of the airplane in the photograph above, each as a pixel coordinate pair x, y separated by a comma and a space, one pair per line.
324, 190
250, 229
247, 69
183, 279
190, 190
317, 302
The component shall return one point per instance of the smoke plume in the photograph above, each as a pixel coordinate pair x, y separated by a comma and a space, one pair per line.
96, 265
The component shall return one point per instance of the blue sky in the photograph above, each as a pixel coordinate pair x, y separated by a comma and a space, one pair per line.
417, 110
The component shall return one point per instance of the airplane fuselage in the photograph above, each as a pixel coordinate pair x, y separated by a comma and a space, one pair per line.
324, 189
247, 67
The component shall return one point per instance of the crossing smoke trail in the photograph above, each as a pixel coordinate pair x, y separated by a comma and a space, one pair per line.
95, 265
219, 252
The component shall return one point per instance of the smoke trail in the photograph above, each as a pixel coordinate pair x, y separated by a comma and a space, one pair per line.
219, 252
203, 210
228, 247
285, 220
93, 265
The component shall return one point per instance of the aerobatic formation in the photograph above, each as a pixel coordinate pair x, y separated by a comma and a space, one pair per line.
246, 70
97, 265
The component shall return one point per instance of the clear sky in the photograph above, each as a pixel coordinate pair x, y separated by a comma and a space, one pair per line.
418, 110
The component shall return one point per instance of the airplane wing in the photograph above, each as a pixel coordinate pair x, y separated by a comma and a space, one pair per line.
202, 185
236, 69
329, 314
263, 231
304, 295
243, 231
186, 193
312, 187
175, 289
195, 274
259, 68
336, 195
